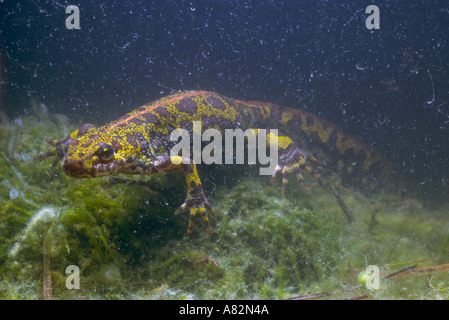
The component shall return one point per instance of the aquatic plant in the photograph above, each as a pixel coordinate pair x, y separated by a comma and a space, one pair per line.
264, 244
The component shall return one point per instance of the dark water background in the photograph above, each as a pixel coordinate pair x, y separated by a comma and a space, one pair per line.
389, 87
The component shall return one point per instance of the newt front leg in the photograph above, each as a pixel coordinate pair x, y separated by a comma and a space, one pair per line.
195, 199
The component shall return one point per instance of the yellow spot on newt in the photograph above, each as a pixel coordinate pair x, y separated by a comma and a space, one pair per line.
317, 127
370, 160
282, 141
176, 160
286, 117
74, 134
265, 111
348, 143
193, 177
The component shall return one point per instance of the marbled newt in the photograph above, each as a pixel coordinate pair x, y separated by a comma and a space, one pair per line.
139, 143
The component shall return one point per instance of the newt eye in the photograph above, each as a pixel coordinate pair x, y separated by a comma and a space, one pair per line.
106, 152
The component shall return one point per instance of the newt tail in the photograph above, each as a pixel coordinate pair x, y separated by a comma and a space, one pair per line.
140, 143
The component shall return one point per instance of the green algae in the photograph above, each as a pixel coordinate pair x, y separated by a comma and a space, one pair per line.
128, 244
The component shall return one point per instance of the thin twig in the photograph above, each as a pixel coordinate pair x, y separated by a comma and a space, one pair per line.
422, 271
342, 204
400, 271
324, 294
359, 297
311, 296
47, 272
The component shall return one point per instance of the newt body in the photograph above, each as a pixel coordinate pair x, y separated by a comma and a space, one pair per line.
139, 143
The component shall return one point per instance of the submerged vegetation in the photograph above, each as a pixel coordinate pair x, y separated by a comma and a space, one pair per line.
127, 243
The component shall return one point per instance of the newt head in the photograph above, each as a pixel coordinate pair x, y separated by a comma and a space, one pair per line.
95, 154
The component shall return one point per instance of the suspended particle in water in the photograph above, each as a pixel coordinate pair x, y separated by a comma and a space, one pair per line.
13, 194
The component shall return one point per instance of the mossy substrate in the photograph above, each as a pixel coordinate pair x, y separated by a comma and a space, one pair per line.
128, 244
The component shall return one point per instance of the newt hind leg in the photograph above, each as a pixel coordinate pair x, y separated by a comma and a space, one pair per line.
293, 160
